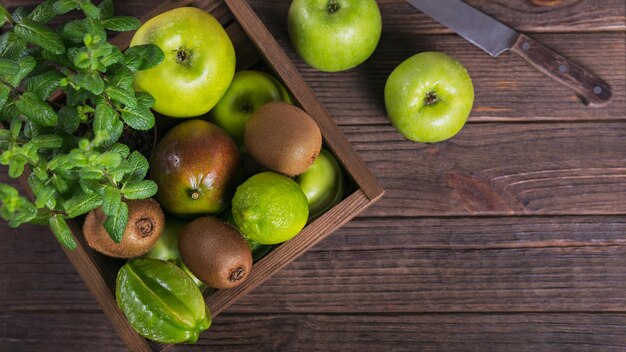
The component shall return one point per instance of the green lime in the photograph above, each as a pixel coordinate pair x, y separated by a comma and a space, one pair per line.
270, 208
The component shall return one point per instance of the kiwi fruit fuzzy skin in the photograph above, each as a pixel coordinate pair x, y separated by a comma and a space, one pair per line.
283, 138
146, 221
215, 252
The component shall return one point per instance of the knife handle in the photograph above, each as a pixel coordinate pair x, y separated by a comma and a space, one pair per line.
592, 90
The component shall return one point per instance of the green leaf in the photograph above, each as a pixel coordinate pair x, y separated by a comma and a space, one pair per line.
143, 57
105, 116
36, 33
11, 46
145, 100
19, 13
121, 149
8, 193
16, 166
44, 194
106, 9
73, 30
123, 96
95, 28
90, 186
44, 84
120, 76
16, 127
42, 217
5, 139
80, 57
44, 12
90, 9
81, 204
109, 159
26, 65
61, 7
8, 67
111, 200
112, 56
138, 118
4, 94
68, 119
139, 166
40, 112
62, 232
115, 224
77, 97
25, 211
48, 141
140, 190
121, 23
90, 173
114, 134
59, 183
89, 81
5, 16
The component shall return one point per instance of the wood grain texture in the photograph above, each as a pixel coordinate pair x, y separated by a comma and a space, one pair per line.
405, 332
317, 332
378, 266
499, 168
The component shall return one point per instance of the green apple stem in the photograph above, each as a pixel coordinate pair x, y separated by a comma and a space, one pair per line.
195, 194
333, 6
431, 98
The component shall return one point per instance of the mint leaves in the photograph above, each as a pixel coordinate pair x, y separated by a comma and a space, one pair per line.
70, 145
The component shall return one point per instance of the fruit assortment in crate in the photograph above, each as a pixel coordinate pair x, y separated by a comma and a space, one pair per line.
248, 170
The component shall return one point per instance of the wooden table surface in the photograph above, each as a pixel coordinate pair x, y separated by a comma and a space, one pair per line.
509, 237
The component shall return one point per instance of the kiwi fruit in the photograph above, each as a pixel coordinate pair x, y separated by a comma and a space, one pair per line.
283, 137
215, 252
146, 221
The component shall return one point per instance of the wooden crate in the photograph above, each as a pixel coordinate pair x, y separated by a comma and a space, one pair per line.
254, 46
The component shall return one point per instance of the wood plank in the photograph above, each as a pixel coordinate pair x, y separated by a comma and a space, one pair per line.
405, 332
514, 264
79, 330
567, 16
484, 233
499, 169
506, 88
84, 331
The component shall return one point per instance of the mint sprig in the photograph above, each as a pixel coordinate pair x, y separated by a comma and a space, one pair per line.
70, 145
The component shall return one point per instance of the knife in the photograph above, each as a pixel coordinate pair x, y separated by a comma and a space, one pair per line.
495, 38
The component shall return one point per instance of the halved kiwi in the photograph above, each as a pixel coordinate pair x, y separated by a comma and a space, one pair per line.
145, 224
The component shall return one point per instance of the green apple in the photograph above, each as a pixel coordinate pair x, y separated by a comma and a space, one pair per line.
334, 35
248, 91
322, 184
429, 97
199, 62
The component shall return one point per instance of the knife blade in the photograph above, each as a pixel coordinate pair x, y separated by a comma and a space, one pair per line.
495, 38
